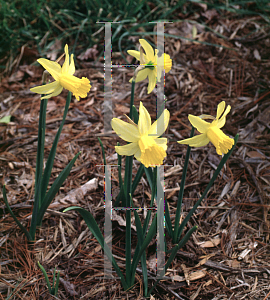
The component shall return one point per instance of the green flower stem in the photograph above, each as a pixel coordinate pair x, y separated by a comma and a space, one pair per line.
50, 161
128, 189
215, 175
39, 167
132, 99
181, 193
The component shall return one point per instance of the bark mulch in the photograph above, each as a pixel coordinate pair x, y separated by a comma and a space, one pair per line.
228, 256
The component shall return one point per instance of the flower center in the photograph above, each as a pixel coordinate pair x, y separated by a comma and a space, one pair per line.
151, 153
150, 65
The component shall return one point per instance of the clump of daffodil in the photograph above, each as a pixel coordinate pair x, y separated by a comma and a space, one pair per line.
145, 143
63, 79
211, 131
150, 64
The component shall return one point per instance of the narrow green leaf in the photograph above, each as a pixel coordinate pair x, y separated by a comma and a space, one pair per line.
55, 188
137, 178
135, 114
151, 233
29, 238
140, 236
50, 161
215, 175
173, 254
46, 277
93, 227
56, 284
181, 192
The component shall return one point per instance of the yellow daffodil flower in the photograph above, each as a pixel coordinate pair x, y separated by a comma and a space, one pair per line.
144, 140
152, 64
63, 79
211, 131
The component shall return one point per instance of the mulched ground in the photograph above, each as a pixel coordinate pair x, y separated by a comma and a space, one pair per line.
228, 256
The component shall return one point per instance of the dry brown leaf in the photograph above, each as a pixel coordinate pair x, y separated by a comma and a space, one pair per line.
255, 154
210, 244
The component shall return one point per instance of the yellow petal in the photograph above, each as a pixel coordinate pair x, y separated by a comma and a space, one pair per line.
221, 122
47, 88
71, 69
152, 77
221, 141
125, 131
137, 154
162, 142
51, 66
56, 92
220, 109
142, 74
148, 50
198, 123
65, 66
129, 149
157, 128
134, 53
144, 122
196, 141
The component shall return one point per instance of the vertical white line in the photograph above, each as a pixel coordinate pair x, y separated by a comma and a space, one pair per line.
107, 106
160, 223
108, 223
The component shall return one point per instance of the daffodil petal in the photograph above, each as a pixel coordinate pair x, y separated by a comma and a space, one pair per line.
65, 66
134, 53
221, 122
220, 109
129, 149
142, 74
138, 154
198, 123
71, 69
144, 122
148, 50
51, 66
162, 142
157, 128
196, 141
126, 131
47, 88
152, 77
56, 92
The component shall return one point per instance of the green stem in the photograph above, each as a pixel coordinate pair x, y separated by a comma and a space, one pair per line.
128, 190
181, 193
215, 175
39, 167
